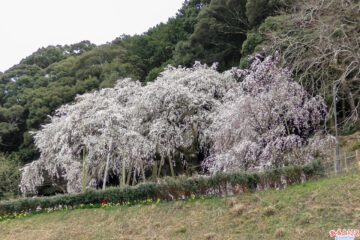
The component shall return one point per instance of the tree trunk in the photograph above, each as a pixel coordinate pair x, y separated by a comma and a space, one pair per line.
353, 108
129, 174
142, 171
154, 173
343, 109
83, 177
106, 171
134, 178
107, 166
123, 175
171, 166
160, 165
337, 151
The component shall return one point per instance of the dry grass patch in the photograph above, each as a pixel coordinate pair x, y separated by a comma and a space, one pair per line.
237, 210
269, 211
211, 236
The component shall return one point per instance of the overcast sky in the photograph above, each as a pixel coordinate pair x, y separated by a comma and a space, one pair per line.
26, 25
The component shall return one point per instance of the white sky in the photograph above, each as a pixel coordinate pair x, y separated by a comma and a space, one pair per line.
27, 25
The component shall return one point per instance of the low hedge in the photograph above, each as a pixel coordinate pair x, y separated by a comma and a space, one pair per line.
173, 188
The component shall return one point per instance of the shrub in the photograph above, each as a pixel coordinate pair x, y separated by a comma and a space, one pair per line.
169, 189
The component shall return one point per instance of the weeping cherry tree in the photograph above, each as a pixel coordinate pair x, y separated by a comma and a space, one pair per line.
267, 121
121, 131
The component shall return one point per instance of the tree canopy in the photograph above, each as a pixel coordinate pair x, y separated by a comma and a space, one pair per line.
267, 122
133, 124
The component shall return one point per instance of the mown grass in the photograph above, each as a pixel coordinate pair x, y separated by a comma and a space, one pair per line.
302, 211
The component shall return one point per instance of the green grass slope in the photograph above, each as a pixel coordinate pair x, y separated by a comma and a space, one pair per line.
303, 211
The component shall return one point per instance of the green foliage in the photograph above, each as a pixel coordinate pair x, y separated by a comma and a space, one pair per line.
49, 188
226, 32
11, 121
172, 188
313, 169
44, 57
274, 24
253, 39
27, 151
260, 16
156, 47
218, 35
355, 146
9, 175
154, 73
349, 128
258, 10
251, 45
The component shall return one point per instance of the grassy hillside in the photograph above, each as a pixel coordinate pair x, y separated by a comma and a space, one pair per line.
304, 211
